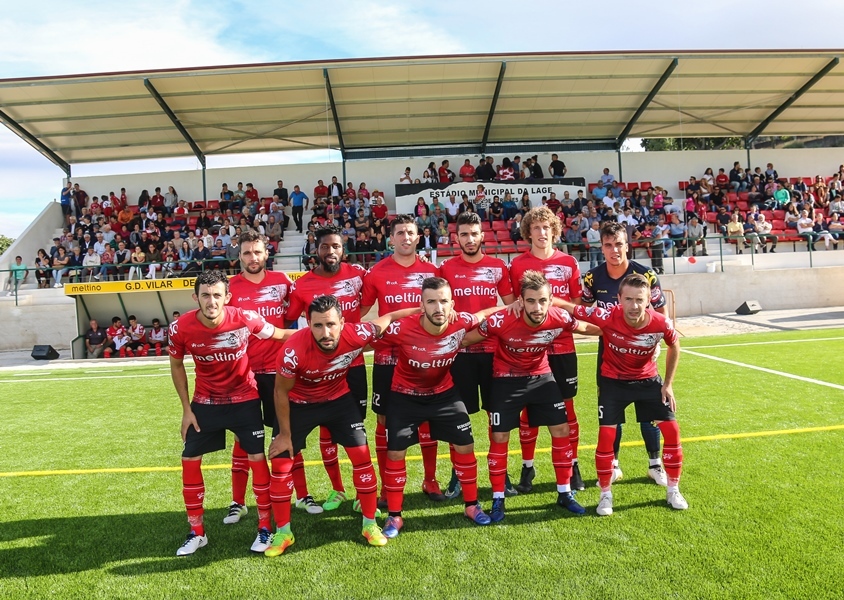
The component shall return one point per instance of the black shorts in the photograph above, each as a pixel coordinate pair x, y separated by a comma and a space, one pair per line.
356, 380
382, 380
445, 412
471, 371
266, 392
341, 417
66, 209
241, 418
538, 393
564, 369
646, 394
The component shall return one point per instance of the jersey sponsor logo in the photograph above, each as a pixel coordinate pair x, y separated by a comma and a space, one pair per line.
220, 356
407, 297
291, 361
475, 290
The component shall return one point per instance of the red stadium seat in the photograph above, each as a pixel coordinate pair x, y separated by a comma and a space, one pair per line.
213, 205
742, 205
632, 185
452, 227
807, 180
499, 226
522, 246
134, 208
198, 205
452, 237
683, 185
769, 215
779, 214
732, 197
592, 186
645, 185
711, 217
485, 226
743, 196
793, 180
489, 237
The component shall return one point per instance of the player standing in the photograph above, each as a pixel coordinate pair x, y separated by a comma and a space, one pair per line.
312, 391
264, 292
541, 227
334, 276
524, 384
600, 287
423, 392
396, 283
225, 397
477, 281
629, 375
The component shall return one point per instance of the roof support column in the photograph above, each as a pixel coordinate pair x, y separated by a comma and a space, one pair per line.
176, 123
791, 100
35, 143
629, 127
492, 105
336, 116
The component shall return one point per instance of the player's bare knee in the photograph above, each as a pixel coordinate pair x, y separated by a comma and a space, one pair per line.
467, 449
501, 437
396, 454
559, 430
256, 457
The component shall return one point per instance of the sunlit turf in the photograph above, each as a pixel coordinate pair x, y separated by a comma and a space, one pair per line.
764, 520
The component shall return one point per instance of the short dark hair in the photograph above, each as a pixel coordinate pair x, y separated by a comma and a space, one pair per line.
250, 235
434, 283
133, 318
401, 220
322, 304
115, 320
211, 277
325, 231
154, 321
469, 218
611, 229
534, 281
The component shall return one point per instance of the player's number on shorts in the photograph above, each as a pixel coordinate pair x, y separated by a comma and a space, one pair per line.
376, 399
495, 418
600, 412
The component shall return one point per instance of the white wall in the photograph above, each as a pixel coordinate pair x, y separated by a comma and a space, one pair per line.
39, 234
660, 168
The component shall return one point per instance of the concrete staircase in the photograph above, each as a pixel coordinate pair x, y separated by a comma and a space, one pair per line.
289, 251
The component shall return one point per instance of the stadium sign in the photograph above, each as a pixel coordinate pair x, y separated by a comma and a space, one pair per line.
144, 285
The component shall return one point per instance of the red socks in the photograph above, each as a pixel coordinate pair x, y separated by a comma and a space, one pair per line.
363, 475
429, 451
497, 461
381, 451
281, 488
261, 487
561, 456
240, 473
328, 449
527, 436
672, 451
604, 456
466, 469
574, 427
395, 478
300, 484
193, 491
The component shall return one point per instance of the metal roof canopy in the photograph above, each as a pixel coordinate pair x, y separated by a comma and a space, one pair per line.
419, 106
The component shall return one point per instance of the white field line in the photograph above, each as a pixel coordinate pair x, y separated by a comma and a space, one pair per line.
764, 370
86, 378
768, 343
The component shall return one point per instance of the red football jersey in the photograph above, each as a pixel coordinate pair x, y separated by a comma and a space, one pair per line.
477, 286
563, 273
522, 350
268, 299
118, 335
137, 333
321, 376
424, 360
395, 287
628, 352
223, 375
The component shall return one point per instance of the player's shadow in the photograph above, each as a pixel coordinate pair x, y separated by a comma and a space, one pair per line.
147, 541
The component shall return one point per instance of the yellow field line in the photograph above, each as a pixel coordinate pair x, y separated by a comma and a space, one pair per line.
310, 463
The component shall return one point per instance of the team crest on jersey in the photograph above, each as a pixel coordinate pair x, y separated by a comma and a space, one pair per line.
338, 363
487, 275
363, 331
557, 273
347, 287
495, 320
646, 340
413, 281
544, 337
272, 294
449, 344
230, 339
394, 327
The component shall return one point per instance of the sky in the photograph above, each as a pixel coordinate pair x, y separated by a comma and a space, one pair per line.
61, 38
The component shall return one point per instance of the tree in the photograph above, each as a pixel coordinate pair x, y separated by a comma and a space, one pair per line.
5, 242
669, 144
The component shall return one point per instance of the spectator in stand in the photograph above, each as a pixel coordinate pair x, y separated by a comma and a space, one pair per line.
180, 214
171, 200
91, 263
496, 210
763, 234
452, 208
75, 263
379, 209
756, 190
125, 216
421, 209
430, 175
696, 234
252, 194
536, 169
527, 169
792, 215
185, 254
718, 198
157, 202
607, 179
138, 258
516, 228
707, 181
100, 244
524, 204
722, 180
42, 268
405, 177
67, 202
350, 193
821, 232
18, 273
445, 174
218, 255
467, 171
61, 265
226, 196
486, 170
96, 340
481, 202
157, 338
677, 234
274, 231
735, 231
466, 205
198, 258
309, 252
362, 191
554, 203
300, 201
557, 169
232, 256
144, 200
122, 259
427, 244
80, 198
593, 240
153, 257
379, 246
363, 247
516, 165
737, 180
835, 228
836, 206
335, 191
505, 171
771, 172
281, 193
781, 197
239, 197
321, 190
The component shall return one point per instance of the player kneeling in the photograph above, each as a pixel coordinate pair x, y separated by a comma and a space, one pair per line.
629, 375
311, 391
522, 379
